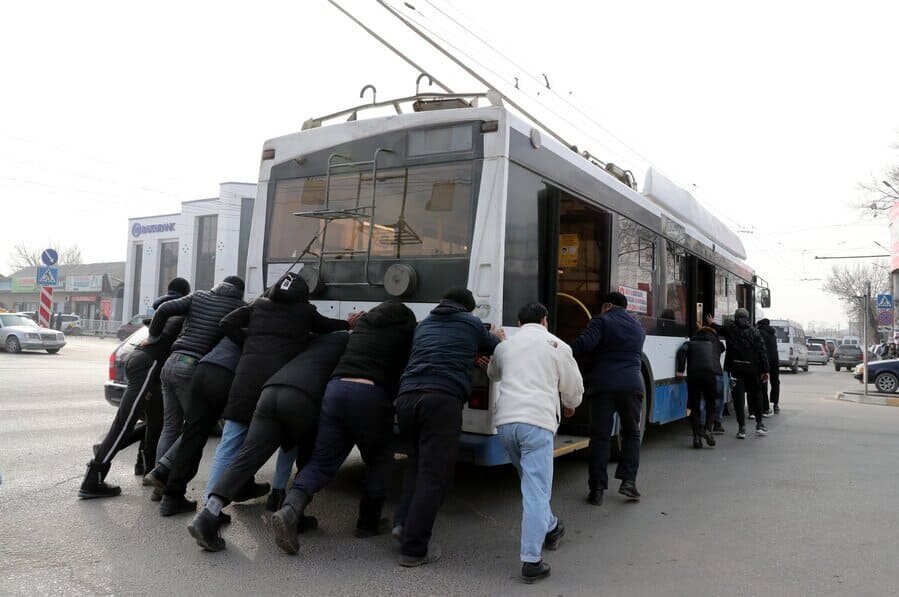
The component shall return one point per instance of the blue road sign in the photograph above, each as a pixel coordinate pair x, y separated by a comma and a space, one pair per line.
49, 257
884, 301
47, 276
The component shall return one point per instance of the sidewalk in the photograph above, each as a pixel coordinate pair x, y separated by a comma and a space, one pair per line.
872, 397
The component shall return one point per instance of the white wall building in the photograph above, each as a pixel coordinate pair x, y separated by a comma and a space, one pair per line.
204, 243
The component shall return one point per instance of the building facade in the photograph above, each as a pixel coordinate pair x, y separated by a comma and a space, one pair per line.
204, 243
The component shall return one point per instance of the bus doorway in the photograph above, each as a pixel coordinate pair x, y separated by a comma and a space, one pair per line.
703, 293
574, 269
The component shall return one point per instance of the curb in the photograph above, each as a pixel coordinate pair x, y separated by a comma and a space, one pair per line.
877, 399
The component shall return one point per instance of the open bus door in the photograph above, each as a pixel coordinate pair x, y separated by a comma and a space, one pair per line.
574, 260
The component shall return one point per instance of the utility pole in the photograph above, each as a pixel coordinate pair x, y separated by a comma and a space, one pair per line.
866, 304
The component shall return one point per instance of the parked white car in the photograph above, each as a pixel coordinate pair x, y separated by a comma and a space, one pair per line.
19, 332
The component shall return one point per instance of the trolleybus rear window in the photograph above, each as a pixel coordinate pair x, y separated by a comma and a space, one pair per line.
420, 211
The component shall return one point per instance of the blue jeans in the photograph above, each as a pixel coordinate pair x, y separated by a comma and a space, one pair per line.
719, 401
530, 449
233, 436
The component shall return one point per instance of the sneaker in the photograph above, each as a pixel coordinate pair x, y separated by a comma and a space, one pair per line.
554, 537
776, 409
176, 504
761, 430
752, 416
531, 572
594, 498
629, 490
709, 439
767, 413
434, 553
741, 434
697, 442
397, 533
718, 429
93, 486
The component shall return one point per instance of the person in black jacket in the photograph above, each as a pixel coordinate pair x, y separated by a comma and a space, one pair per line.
701, 357
286, 416
357, 409
433, 389
278, 327
747, 362
142, 372
770, 338
614, 340
202, 310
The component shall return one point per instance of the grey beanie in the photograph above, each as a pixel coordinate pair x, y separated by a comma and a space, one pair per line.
741, 312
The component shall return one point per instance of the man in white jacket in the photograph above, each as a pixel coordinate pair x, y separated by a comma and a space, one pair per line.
534, 368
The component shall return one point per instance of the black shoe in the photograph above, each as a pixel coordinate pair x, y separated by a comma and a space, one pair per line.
156, 496
176, 504
709, 438
434, 554
776, 409
251, 491
594, 498
697, 442
741, 433
275, 500
286, 521
157, 477
554, 537
205, 529
531, 572
224, 518
629, 490
370, 523
93, 486
718, 429
761, 430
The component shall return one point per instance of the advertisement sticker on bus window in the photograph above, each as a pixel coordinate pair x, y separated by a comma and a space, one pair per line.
637, 300
568, 249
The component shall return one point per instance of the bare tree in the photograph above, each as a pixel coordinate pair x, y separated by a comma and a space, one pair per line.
23, 255
884, 192
849, 284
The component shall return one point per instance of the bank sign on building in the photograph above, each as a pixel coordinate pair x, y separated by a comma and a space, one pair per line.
204, 243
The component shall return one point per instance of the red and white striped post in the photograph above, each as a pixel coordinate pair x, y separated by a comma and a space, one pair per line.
44, 309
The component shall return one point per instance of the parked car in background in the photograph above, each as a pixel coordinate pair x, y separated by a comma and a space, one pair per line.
847, 356
117, 382
883, 374
851, 340
19, 332
129, 327
67, 323
817, 354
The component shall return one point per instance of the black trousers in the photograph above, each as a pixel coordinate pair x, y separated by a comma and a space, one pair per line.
701, 390
142, 372
208, 395
352, 414
430, 423
747, 388
285, 417
603, 406
774, 385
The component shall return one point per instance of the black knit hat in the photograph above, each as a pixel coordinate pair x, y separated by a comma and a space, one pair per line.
235, 281
179, 285
462, 296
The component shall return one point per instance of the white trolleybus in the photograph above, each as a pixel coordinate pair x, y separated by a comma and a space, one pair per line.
458, 190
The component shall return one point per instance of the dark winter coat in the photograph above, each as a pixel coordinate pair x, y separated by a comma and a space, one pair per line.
160, 347
444, 349
278, 328
202, 311
701, 355
746, 354
225, 354
311, 370
614, 343
769, 336
379, 346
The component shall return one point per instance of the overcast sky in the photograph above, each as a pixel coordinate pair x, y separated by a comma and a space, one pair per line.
771, 113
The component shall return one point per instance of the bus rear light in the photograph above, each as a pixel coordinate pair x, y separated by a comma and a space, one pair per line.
480, 398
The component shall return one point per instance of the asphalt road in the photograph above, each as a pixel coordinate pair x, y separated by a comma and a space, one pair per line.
808, 510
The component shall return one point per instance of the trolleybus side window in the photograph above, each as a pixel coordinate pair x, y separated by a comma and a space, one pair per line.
636, 270
673, 316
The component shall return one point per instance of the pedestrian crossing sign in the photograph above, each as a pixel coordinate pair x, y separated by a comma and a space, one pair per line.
47, 276
884, 301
